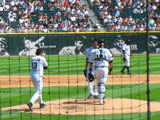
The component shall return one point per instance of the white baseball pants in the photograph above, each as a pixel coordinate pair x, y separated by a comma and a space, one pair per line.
38, 85
101, 75
127, 64
92, 90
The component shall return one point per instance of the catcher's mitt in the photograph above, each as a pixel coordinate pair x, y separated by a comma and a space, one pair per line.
91, 77
85, 73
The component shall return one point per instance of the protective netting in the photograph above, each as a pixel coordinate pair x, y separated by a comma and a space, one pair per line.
65, 89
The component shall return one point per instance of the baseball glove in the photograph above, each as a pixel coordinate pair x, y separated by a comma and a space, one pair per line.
85, 73
91, 77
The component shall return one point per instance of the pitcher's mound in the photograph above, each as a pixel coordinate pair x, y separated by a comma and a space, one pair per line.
89, 107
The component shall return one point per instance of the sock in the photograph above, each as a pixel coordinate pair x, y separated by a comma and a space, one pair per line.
123, 68
128, 69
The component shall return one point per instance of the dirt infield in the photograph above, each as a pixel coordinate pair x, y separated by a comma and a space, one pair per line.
89, 107
74, 80
83, 106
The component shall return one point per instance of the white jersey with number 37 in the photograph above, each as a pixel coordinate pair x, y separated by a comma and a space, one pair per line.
38, 63
100, 57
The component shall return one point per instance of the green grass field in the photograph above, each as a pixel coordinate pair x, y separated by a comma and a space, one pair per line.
61, 65
69, 65
18, 96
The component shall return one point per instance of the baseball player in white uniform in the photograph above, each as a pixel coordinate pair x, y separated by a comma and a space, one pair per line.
92, 93
100, 59
38, 64
126, 56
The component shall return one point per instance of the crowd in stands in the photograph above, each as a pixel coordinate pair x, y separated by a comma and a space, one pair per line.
72, 16
127, 15
44, 16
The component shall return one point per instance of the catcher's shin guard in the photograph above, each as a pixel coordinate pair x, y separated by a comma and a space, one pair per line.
102, 91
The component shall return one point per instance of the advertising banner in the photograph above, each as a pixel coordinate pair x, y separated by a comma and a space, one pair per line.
74, 44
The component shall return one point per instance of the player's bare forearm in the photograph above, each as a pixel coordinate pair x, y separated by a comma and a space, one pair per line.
85, 70
110, 67
123, 53
90, 67
86, 63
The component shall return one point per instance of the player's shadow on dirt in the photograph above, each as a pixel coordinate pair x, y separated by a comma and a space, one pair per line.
22, 110
82, 102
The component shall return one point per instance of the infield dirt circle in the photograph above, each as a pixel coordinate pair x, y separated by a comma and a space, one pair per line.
83, 106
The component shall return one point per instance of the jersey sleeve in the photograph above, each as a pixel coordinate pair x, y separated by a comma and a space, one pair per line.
45, 64
91, 57
110, 57
124, 47
87, 53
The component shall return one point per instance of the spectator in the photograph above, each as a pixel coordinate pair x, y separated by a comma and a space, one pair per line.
111, 16
71, 15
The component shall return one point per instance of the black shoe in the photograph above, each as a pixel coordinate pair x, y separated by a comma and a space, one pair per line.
129, 73
90, 96
30, 106
96, 96
43, 105
102, 102
122, 72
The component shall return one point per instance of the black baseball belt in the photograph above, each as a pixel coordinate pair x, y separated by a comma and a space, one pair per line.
100, 66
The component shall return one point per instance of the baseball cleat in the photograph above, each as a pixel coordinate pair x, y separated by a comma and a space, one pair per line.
122, 72
96, 96
129, 73
90, 96
43, 105
102, 102
30, 106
